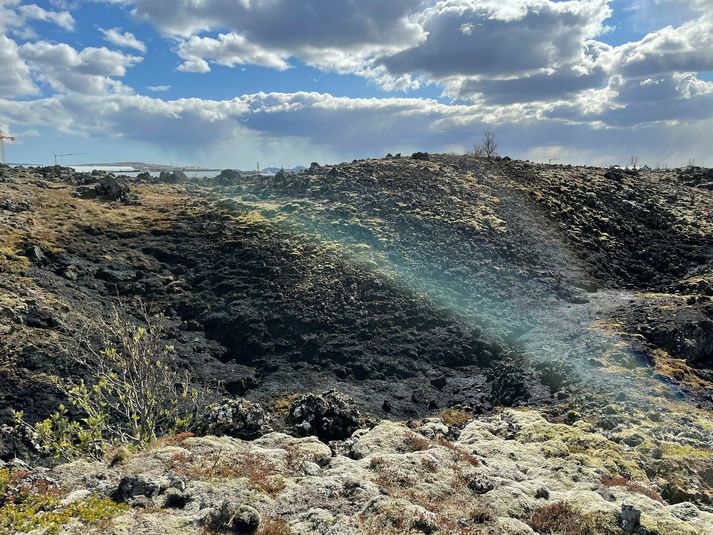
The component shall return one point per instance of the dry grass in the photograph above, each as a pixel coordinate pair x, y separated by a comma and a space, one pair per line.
274, 526
416, 442
561, 518
458, 453
260, 474
171, 440
632, 486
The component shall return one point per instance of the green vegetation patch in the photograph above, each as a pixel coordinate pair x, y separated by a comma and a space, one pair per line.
35, 504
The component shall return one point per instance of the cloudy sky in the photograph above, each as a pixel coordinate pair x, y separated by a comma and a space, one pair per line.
286, 82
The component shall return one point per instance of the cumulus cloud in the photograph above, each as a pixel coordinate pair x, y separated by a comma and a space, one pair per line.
14, 17
345, 127
537, 71
683, 49
65, 69
326, 33
15, 78
158, 88
228, 50
124, 40
468, 37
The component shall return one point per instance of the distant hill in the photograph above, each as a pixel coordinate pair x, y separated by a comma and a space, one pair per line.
273, 170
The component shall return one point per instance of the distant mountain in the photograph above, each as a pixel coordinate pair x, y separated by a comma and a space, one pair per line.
273, 170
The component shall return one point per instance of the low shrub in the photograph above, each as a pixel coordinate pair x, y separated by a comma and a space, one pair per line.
416, 442
133, 394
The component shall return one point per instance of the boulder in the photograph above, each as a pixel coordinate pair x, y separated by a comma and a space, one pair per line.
133, 486
479, 482
421, 156
113, 188
237, 418
232, 517
14, 206
227, 177
173, 177
630, 518
329, 416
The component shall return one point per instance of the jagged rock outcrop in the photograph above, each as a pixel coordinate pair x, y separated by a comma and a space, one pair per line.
235, 418
113, 188
330, 416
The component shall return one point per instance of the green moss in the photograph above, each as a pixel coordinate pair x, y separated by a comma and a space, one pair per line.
48, 513
120, 456
591, 449
455, 418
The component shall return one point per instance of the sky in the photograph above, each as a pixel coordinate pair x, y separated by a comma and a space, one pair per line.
228, 83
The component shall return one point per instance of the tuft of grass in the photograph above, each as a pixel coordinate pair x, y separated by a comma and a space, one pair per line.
459, 453
119, 456
416, 442
169, 440
455, 417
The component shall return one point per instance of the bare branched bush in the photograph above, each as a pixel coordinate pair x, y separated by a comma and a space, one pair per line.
488, 147
133, 393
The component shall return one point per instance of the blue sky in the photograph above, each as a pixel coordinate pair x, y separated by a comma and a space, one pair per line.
227, 83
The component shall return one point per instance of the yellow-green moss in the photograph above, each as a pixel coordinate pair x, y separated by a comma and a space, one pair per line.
282, 404
48, 513
455, 418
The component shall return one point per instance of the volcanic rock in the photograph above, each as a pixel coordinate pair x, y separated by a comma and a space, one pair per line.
113, 188
329, 416
173, 177
235, 418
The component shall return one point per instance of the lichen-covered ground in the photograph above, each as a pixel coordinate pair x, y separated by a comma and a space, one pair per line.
501, 475
413, 286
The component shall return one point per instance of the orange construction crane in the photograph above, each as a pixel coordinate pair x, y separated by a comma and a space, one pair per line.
3, 139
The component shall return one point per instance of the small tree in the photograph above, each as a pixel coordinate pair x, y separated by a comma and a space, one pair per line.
133, 393
488, 147
634, 162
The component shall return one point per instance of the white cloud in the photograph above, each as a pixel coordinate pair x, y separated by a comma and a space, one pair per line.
503, 38
14, 17
158, 88
15, 77
65, 69
228, 50
124, 40
683, 49
333, 35
344, 127
63, 19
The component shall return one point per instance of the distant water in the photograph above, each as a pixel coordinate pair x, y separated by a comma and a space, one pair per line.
133, 173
